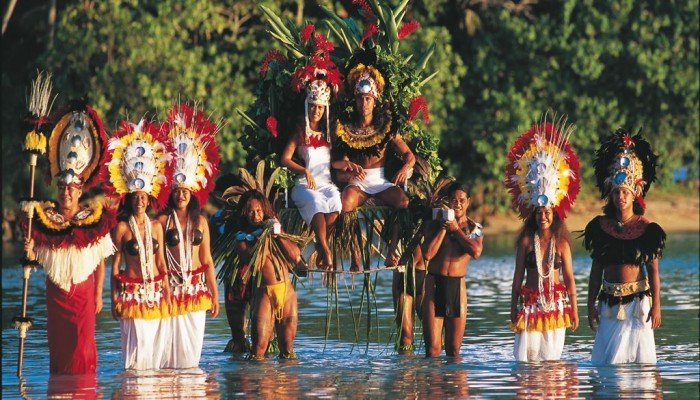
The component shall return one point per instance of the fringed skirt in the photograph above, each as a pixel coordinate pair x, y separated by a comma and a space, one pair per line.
539, 334
145, 331
324, 199
190, 305
624, 335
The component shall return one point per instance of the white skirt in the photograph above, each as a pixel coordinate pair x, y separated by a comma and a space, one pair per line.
532, 345
186, 340
630, 340
144, 343
325, 199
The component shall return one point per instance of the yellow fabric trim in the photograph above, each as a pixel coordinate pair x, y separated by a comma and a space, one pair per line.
277, 294
542, 323
142, 311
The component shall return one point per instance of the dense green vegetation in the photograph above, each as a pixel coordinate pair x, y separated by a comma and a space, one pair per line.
501, 64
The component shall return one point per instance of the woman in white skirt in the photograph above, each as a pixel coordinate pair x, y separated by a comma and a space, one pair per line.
542, 175
187, 243
314, 194
621, 243
141, 292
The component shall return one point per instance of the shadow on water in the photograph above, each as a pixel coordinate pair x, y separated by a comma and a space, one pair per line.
345, 367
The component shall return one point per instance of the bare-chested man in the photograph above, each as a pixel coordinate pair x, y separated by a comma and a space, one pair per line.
275, 300
448, 247
361, 152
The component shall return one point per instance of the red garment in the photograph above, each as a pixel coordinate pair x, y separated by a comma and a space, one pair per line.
71, 328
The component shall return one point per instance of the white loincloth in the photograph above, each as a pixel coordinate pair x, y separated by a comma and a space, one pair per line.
374, 181
186, 340
625, 341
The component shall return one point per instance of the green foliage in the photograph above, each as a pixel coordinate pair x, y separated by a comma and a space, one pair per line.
605, 64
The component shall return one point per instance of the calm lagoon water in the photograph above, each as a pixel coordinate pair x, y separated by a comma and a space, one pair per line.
362, 363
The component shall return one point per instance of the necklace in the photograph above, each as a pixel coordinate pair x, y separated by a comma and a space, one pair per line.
620, 225
145, 257
547, 303
183, 265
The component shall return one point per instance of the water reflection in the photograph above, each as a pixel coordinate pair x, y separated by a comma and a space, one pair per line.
628, 381
547, 380
73, 387
188, 383
337, 368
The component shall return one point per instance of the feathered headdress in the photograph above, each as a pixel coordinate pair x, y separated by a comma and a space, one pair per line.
195, 154
76, 144
625, 161
366, 79
543, 170
321, 79
138, 157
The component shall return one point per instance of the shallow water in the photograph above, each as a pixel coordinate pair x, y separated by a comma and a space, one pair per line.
363, 364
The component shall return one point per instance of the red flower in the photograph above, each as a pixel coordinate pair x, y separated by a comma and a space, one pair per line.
272, 55
322, 45
628, 141
408, 28
272, 125
369, 14
305, 34
418, 104
370, 30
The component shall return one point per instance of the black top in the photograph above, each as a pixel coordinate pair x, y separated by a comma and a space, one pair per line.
531, 261
172, 238
132, 247
609, 249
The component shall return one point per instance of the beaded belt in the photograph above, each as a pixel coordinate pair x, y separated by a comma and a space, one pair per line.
625, 289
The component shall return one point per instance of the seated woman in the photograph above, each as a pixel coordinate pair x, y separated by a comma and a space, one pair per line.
314, 194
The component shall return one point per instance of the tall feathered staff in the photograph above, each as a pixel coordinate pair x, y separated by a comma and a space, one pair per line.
39, 106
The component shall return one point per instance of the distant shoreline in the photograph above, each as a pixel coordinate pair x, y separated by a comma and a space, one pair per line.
679, 214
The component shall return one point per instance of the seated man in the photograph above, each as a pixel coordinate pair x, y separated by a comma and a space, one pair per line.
448, 247
361, 154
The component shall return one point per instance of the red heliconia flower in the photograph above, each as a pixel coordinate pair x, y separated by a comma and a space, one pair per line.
272, 55
305, 34
271, 124
628, 140
418, 104
370, 30
408, 28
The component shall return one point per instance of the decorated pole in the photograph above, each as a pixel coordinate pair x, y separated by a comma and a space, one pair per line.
34, 144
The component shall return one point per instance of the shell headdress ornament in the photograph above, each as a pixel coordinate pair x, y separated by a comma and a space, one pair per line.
138, 158
195, 154
76, 144
320, 79
366, 80
625, 161
543, 170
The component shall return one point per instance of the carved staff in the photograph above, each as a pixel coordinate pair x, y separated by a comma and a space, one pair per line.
34, 144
